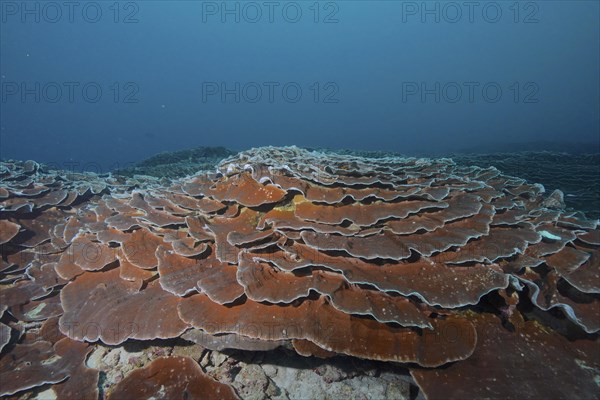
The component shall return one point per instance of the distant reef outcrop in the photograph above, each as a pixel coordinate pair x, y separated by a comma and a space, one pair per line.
175, 164
575, 169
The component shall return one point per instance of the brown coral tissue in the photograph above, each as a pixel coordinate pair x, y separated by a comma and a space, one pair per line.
462, 278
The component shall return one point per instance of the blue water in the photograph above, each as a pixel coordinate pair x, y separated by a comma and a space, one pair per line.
100, 85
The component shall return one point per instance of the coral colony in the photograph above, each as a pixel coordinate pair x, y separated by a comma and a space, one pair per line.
479, 283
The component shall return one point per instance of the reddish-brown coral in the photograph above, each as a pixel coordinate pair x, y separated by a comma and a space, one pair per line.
30, 365
530, 362
49, 357
230, 341
241, 188
393, 259
8, 230
308, 349
333, 330
139, 248
102, 306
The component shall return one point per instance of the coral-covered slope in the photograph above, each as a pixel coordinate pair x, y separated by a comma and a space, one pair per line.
406, 260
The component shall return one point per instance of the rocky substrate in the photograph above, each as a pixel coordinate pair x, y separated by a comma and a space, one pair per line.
280, 374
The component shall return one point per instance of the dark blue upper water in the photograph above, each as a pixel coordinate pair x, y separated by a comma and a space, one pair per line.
103, 84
